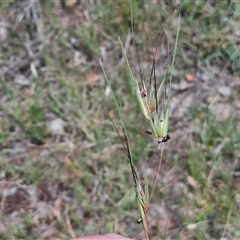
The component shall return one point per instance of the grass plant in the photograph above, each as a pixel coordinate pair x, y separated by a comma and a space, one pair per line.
77, 182
149, 101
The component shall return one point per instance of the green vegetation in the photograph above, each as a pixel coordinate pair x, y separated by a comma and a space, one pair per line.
63, 170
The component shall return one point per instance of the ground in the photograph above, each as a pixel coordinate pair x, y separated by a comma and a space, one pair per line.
63, 170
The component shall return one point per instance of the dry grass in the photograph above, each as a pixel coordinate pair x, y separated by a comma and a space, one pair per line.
63, 172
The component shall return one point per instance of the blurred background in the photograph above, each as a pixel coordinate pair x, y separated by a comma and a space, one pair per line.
63, 171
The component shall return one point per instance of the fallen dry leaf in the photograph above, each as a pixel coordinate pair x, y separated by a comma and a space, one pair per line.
191, 77
70, 3
92, 78
57, 203
191, 181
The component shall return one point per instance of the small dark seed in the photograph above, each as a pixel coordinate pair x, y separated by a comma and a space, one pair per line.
148, 132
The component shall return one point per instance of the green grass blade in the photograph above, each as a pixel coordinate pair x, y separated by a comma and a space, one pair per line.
135, 84
146, 190
166, 120
118, 109
160, 89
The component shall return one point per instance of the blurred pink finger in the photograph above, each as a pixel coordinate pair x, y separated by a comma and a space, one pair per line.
103, 237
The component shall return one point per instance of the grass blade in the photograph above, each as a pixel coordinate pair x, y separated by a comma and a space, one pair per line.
166, 120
